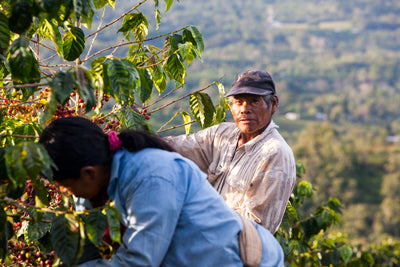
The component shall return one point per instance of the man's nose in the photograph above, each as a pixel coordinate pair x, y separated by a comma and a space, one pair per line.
244, 108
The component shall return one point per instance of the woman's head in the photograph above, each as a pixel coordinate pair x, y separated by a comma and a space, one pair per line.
76, 142
73, 143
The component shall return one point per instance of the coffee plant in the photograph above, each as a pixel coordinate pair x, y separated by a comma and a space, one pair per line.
48, 70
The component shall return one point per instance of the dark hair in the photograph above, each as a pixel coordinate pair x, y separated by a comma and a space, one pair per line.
76, 142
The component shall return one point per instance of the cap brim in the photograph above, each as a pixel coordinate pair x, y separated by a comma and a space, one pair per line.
248, 90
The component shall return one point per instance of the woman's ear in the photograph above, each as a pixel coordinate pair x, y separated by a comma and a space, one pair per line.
88, 173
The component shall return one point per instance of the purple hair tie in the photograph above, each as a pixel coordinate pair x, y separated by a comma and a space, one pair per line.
113, 140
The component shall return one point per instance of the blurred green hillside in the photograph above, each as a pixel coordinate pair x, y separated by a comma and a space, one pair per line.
336, 65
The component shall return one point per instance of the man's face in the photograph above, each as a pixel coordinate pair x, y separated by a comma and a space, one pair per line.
251, 114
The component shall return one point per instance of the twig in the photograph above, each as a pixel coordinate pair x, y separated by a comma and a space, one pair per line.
23, 206
16, 203
39, 43
141, 64
115, 20
57, 65
37, 46
24, 102
121, 42
172, 102
50, 57
177, 126
24, 85
46, 68
98, 28
112, 112
18, 135
129, 43
164, 96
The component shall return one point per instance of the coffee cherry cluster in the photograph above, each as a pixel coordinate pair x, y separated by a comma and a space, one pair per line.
29, 254
12, 105
146, 116
112, 125
62, 112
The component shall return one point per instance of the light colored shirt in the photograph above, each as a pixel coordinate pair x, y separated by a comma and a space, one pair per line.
255, 179
173, 216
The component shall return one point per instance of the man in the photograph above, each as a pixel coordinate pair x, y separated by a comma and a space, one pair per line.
248, 162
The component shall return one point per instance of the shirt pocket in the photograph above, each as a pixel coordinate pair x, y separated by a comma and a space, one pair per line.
215, 171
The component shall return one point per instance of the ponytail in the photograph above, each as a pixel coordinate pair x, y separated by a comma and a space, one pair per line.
134, 140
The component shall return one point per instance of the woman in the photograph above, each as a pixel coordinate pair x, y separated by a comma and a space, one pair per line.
172, 215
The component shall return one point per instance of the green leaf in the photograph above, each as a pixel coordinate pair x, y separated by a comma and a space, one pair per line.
62, 85
325, 219
310, 228
50, 30
367, 259
335, 204
222, 99
73, 43
50, 7
99, 3
87, 13
186, 51
101, 79
3, 170
23, 65
186, 119
328, 243
157, 16
345, 253
66, 10
113, 222
198, 37
129, 119
35, 230
202, 109
193, 51
4, 33
95, 226
66, 238
159, 78
291, 211
111, 3
300, 169
26, 159
3, 233
168, 4
78, 6
84, 83
21, 17
40, 192
175, 69
137, 24
174, 40
123, 77
146, 85
187, 36
304, 189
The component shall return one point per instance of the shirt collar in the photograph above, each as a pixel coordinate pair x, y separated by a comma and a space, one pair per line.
114, 172
247, 146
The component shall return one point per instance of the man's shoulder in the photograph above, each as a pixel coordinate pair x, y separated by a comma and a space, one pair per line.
274, 143
224, 127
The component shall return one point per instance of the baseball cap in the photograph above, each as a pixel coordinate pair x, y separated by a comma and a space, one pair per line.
254, 82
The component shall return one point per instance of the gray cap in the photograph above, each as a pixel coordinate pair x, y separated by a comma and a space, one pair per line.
254, 82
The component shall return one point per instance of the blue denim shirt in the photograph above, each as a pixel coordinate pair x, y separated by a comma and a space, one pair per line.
173, 215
